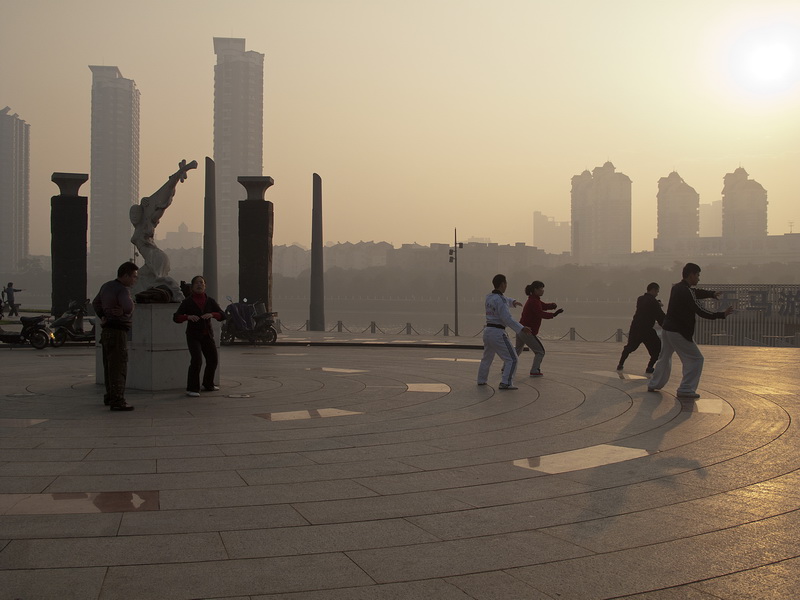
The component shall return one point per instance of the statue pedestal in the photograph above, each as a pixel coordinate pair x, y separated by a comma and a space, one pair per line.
157, 355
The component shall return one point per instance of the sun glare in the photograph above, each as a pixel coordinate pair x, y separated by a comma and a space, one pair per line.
766, 61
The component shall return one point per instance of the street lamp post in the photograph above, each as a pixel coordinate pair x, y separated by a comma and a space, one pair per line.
454, 260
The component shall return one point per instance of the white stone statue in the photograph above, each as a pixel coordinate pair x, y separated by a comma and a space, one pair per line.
145, 216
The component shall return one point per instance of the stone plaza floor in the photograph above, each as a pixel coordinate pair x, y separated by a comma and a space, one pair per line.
371, 468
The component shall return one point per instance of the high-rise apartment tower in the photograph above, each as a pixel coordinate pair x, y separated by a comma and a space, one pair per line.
678, 213
14, 189
601, 215
238, 137
114, 175
744, 206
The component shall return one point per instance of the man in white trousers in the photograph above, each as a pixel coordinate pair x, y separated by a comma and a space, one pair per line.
678, 333
495, 339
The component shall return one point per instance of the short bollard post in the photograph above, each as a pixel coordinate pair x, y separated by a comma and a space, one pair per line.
619, 335
339, 326
572, 334
308, 325
408, 328
446, 329
278, 327
372, 327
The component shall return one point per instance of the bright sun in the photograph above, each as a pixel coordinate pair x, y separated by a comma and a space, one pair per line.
766, 61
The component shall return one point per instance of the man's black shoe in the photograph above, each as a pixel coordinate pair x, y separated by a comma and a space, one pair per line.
107, 401
122, 406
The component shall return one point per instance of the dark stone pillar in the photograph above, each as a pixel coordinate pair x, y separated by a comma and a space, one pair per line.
210, 232
69, 220
316, 321
255, 242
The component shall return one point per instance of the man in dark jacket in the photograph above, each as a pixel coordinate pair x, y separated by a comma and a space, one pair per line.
648, 312
114, 306
678, 333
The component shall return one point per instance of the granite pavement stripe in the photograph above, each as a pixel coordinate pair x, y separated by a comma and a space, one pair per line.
275, 447
496, 585
775, 581
445, 479
462, 557
154, 452
508, 518
378, 507
209, 519
59, 526
155, 481
324, 492
45, 454
312, 539
432, 589
233, 463
244, 577
78, 467
106, 551
652, 567
53, 584
315, 472
25, 485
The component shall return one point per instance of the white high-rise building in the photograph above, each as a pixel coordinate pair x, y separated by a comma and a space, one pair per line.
114, 175
14, 190
238, 137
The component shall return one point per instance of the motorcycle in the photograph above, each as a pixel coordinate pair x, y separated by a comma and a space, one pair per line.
69, 327
34, 331
249, 322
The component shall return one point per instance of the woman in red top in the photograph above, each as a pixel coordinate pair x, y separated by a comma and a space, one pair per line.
197, 311
532, 314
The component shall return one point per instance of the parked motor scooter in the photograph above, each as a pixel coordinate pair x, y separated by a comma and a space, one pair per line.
34, 331
70, 327
249, 322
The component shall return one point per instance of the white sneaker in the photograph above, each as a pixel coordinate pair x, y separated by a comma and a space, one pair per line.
193, 394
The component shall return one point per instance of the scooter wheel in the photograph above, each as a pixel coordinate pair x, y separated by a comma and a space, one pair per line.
59, 338
39, 340
225, 337
272, 335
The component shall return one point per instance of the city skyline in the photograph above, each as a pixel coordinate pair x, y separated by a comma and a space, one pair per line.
429, 116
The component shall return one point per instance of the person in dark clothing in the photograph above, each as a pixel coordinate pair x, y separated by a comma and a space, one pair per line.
114, 306
12, 306
678, 333
196, 311
648, 312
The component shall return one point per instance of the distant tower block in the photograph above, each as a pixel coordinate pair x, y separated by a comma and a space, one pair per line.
210, 231
256, 217
317, 309
69, 222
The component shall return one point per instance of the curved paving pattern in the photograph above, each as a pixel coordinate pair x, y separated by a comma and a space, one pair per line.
381, 473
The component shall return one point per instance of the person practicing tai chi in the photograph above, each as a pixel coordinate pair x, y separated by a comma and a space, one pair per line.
648, 312
678, 333
532, 314
495, 340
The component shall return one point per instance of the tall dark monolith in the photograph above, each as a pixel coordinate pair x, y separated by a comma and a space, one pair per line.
69, 220
316, 321
210, 232
255, 242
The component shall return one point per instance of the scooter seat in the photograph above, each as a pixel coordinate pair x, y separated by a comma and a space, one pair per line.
30, 319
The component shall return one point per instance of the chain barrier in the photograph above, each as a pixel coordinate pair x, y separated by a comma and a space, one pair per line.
408, 329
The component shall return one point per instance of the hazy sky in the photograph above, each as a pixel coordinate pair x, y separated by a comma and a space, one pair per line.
425, 115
